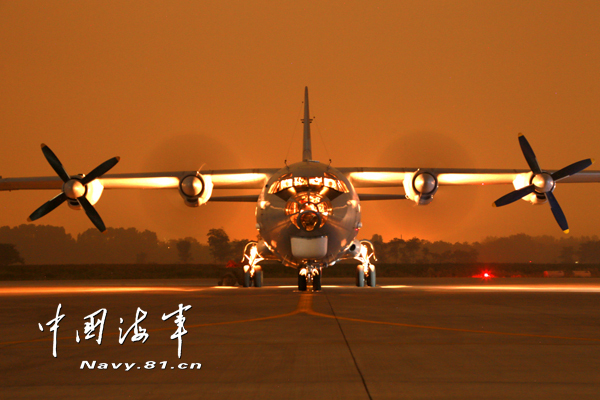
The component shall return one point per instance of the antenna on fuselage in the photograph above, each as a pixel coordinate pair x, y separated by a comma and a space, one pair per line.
306, 146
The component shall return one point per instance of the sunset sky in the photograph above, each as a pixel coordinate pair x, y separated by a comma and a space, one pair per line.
178, 85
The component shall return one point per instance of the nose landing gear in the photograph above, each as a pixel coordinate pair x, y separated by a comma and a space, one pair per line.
310, 274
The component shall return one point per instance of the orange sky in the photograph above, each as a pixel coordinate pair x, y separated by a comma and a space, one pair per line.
175, 85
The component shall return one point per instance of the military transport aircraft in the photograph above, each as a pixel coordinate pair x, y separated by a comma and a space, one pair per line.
307, 213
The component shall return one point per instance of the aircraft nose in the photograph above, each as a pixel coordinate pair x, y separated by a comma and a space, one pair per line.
309, 220
308, 211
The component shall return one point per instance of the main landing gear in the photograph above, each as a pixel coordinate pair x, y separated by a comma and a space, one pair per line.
309, 275
365, 273
253, 274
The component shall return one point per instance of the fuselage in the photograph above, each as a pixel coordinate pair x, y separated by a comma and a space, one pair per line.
308, 214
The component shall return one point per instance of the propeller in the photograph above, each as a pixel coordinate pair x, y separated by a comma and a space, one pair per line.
543, 183
73, 188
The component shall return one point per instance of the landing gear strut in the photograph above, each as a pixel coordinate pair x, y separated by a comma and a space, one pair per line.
366, 271
253, 274
307, 275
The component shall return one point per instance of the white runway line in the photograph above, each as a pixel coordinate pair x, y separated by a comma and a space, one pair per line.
566, 289
41, 290
83, 289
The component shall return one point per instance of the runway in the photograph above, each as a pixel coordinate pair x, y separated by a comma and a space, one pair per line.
406, 339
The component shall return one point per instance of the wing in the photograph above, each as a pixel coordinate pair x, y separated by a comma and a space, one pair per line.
423, 181
394, 177
420, 185
220, 179
84, 191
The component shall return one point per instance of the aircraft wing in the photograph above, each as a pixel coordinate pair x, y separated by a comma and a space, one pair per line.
421, 184
220, 179
194, 187
393, 177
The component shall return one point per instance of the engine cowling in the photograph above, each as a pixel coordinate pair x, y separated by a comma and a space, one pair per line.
195, 189
526, 179
93, 191
420, 187
354, 249
264, 250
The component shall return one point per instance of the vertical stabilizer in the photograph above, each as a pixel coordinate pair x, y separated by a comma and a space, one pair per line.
306, 146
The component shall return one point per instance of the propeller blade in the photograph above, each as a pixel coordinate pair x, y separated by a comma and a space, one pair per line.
92, 213
529, 154
559, 215
47, 207
55, 163
572, 169
100, 170
513, 196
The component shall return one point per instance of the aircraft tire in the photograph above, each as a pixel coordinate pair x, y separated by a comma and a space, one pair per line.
301, 282
372, 278
317, 281
258, 278
247, 279
360, 276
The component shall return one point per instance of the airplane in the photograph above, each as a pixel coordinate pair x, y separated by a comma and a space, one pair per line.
308, 214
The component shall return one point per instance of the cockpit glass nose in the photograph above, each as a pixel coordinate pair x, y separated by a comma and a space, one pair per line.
315, 183
309, 220
308, 210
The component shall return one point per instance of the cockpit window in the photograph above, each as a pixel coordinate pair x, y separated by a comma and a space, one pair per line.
300, 183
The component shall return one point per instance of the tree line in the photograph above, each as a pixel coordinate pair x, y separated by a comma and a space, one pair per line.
520, 248
45, 244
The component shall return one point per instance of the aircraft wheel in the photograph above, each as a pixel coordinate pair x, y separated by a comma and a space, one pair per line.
301, 282
258, 278
247, 279
317, 281
371, 279
360, 276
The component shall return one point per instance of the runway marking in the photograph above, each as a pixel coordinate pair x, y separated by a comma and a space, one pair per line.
362, 377
305, 304
305, 307
87, 289
41, 290
440, 328
545, 288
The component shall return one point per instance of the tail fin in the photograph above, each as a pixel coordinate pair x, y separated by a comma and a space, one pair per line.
306, 146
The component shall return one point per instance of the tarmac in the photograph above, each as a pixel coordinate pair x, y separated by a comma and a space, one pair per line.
408, 338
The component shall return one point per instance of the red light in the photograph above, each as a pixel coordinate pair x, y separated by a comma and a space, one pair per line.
484, 275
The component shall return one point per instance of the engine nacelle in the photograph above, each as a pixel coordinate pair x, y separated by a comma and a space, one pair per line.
264, 249
420, 187
351, 251
93, 192
354, 249
526, 179
195, 189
